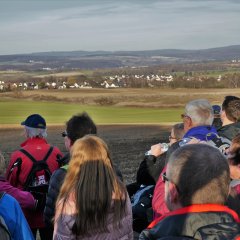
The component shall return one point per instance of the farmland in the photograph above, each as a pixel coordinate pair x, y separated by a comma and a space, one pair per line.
129, 120
106, 106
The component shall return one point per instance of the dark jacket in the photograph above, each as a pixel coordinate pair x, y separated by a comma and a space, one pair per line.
201, 222
55, 184
229, 131
150, 169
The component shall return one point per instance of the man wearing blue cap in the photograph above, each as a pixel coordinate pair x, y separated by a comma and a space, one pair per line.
31, 167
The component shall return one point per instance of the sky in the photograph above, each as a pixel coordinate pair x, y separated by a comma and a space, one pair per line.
28, 26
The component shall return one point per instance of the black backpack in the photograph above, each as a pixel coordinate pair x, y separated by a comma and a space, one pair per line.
142, 207
37, 181
4, 232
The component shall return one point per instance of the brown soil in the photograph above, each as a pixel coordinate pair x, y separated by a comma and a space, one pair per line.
127, 143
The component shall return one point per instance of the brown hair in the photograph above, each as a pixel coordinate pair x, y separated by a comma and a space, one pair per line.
234, 150
178, 130
96, 188
233, 110
200, 173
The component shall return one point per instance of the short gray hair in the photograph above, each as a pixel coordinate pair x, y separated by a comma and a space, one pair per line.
36, 132
200, 111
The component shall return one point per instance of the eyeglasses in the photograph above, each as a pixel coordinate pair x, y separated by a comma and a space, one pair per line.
165, 178
171, 137
64, 134
184, 116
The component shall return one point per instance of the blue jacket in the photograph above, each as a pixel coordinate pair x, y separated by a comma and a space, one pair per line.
12, 214
203, 133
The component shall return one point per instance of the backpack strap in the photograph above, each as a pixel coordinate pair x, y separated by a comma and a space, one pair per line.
35, 164
32, 158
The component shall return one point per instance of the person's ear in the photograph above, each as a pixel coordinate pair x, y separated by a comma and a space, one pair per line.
68, 143
173, 193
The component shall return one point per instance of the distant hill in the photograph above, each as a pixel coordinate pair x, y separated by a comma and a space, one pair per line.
108, 59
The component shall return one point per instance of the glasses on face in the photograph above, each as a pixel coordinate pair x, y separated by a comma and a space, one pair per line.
171, 137
64, 134
165, 178
183, 115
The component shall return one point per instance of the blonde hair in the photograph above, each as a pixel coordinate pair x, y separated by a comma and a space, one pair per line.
93, 182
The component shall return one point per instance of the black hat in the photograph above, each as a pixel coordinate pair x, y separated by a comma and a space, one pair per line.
35, 121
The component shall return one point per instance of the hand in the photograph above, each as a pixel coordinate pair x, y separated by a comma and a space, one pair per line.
156, 150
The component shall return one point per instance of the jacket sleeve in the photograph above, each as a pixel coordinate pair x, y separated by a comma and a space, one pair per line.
144, 235
11, 176
14, 218
150, 169
55, 184
25, 199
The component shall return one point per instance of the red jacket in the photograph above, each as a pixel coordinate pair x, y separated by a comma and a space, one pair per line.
158, 202
38, 148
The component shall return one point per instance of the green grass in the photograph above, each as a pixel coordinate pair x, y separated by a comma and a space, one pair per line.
13, 112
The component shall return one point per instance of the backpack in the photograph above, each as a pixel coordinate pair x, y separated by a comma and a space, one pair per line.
4, 232
212, 139
37, 181
142, 207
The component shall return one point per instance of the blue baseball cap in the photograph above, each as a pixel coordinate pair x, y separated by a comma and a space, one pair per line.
216, 109
35, 121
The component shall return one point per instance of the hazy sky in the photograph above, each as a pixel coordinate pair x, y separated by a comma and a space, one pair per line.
61, 25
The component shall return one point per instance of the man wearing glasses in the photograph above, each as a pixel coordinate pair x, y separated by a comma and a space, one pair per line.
197, 120
196, 188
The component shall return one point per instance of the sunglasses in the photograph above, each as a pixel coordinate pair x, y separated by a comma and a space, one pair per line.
64, 134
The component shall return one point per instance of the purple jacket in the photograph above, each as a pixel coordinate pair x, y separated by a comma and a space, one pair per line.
25, 199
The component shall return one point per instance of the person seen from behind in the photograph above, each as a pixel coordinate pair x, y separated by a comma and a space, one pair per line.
24, 198
13, 224
196, 188
197, 120
35, 154
93, 203
230, 116
76, 127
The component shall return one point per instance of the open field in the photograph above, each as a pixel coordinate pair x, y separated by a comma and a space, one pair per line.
106, 106
141, 97
14, 112
127, 143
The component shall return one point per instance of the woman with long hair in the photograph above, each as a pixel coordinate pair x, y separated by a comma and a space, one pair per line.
93, 203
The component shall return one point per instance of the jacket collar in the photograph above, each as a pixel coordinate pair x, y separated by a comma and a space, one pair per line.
198, 208
200, 132
34, 141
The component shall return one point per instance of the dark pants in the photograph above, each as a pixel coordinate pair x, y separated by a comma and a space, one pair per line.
45, 233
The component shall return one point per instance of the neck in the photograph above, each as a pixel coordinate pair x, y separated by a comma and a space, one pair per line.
226, 122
